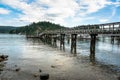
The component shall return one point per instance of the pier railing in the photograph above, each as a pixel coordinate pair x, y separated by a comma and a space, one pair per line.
85, 31
51, 36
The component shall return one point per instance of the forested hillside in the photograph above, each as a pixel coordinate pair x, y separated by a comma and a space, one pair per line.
6, 29
34, 27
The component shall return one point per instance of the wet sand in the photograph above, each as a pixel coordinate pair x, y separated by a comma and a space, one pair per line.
58, 64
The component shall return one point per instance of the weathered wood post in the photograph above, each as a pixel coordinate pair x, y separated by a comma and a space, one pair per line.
62, 43
103, 38
68, 39
92, 47
50, 39
55, 40
112, 39
73, 43
118, 40
44, 38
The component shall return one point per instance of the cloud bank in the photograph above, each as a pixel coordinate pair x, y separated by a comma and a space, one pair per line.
62, 12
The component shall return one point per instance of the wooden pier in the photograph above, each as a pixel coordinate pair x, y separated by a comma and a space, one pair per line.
107, 29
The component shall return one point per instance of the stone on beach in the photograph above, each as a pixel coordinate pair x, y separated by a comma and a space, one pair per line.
119, 78
1, 69
44, 76
35, 74
40, 70
53, 66
17, 69
3, 57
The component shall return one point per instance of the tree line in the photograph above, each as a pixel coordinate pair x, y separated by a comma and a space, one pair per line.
31, 29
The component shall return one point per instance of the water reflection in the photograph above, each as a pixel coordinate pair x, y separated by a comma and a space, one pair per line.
106, 52
34, 41
112, 39
118, 41
92, 59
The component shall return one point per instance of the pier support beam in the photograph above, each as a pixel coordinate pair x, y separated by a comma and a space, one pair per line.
73, 43
55, 40
112, 39
62, 43
44, 38
68, 39
49, 39
92, 47
118, 40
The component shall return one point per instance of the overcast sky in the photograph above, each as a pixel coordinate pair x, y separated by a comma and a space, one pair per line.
65, 12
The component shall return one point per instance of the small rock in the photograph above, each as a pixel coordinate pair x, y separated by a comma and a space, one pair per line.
52, 66
18, 69
1, 59
15, 65
40, 70
44, 76
119, 78
35, 75
3, 56
2, 65
1, 69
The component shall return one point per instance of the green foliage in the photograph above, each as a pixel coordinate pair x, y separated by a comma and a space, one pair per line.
34, 27
6, 29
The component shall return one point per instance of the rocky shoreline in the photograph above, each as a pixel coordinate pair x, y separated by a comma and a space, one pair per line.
16, 72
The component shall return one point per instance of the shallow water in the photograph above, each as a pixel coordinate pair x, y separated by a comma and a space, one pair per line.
32, 54
106, 53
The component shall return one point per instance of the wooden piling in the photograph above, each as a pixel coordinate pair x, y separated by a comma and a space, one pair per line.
112, 39
73, 43
92, 47
62, 43
46, 38
55, 40
49, 39
68, 39
43, 38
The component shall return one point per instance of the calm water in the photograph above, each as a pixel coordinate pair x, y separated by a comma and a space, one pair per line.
106, 52
18, 47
